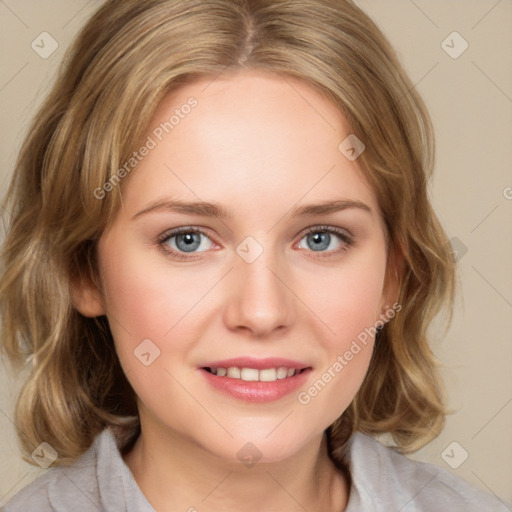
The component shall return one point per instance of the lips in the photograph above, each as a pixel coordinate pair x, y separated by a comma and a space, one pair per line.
256, 380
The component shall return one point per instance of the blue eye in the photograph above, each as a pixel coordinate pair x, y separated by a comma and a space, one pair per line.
186, 240
325, 239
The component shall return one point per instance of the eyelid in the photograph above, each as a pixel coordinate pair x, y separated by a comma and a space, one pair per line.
184, 229
327, 228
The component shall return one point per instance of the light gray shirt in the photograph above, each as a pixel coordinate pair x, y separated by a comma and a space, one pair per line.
382, 480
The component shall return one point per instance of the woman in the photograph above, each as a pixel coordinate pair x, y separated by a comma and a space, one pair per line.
222, 264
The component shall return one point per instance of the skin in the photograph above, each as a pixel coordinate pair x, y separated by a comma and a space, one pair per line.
258, 145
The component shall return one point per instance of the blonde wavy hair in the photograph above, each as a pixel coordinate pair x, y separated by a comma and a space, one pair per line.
124, 61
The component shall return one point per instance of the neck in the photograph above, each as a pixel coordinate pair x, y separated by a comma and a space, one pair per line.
171, 469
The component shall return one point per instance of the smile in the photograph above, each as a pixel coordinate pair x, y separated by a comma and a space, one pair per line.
256, 380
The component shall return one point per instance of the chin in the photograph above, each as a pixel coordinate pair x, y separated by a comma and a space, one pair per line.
251, 447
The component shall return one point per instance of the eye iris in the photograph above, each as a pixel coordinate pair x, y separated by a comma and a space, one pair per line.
321, 241
191, 244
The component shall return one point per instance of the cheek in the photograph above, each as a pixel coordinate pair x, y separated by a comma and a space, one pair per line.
349, 299
145, 297
148, 299
142, 307
349, 302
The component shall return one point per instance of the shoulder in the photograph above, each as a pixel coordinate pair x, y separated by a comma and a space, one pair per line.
59, 488
382, 477
87, 485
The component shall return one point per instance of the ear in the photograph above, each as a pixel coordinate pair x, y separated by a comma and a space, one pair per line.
87, 298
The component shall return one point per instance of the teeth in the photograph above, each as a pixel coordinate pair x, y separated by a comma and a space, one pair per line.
234, 372
249, 374
282, 373
252, 374
268, 375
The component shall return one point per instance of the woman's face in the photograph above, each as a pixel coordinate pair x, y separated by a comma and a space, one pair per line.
279, 263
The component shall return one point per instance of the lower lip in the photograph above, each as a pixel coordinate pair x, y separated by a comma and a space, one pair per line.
257, 391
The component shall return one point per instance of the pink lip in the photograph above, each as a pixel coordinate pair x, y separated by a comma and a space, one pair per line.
256, 391
258, 364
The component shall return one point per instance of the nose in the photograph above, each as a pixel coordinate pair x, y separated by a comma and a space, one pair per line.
259, 298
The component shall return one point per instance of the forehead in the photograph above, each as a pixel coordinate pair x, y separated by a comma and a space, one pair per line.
251, 138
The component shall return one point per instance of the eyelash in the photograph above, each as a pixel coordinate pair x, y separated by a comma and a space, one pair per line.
346, 240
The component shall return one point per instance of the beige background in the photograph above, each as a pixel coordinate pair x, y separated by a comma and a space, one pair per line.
470, 100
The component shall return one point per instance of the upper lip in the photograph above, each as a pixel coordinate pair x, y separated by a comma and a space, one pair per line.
258, 364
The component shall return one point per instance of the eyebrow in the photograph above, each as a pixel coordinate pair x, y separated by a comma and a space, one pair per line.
205, 209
